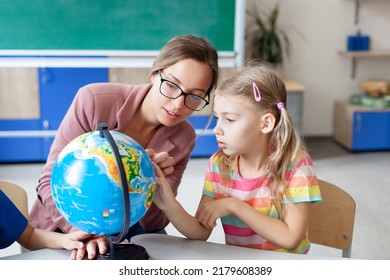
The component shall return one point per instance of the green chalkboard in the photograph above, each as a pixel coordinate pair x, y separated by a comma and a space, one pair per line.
112, 24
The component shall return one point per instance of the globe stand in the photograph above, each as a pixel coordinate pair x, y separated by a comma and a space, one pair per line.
118, 250
124, 252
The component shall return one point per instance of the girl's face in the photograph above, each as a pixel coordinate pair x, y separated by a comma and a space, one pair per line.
238, 126
192, 77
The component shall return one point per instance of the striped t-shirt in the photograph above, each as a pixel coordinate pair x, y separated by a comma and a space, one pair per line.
302, 186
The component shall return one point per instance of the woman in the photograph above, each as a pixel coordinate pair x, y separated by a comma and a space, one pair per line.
155, 115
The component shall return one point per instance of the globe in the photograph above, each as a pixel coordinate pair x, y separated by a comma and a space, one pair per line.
86, 183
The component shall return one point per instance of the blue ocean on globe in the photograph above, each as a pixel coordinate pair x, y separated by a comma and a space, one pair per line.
86, 183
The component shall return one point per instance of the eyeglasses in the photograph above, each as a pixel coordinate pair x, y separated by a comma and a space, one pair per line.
172, 91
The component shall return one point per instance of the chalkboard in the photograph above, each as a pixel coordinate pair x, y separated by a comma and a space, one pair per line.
112, 24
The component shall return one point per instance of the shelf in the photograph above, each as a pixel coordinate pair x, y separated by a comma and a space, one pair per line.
293, 86
354, 55
358, 54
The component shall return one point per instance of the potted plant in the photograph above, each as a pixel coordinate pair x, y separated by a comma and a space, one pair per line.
266, 40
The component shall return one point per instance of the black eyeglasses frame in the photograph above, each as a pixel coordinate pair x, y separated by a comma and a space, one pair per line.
185, 94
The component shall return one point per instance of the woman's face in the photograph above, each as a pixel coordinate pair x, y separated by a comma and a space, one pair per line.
192, 77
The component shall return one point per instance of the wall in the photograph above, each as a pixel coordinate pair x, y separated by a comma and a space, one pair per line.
318, 30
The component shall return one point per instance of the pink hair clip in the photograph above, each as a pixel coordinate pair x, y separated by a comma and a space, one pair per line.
256, 92
280, 105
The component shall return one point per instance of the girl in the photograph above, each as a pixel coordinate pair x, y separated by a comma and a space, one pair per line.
155, 115
261, 182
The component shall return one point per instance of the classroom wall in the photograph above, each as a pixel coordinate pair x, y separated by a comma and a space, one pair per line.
318, 30
315, 61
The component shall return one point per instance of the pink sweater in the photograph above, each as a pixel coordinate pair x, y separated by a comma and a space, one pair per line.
114, 104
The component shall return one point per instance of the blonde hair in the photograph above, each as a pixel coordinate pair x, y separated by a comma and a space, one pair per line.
284, 142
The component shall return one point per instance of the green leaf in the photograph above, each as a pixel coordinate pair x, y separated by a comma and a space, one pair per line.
266, 39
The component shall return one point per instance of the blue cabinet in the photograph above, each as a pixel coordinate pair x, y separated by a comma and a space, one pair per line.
57, 87
371, 131
22, 147
32, 138
361, 128
206, 143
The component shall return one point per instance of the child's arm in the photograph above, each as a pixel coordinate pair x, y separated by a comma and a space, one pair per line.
287, 233
181, 220
34, 239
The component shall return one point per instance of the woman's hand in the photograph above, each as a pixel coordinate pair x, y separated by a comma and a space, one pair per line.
163, 160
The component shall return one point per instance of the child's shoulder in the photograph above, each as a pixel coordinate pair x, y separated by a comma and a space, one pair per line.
216, 157
302, 157
215, 160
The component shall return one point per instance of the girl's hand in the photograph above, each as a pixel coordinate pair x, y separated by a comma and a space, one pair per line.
163, 195
163, 160
209, 211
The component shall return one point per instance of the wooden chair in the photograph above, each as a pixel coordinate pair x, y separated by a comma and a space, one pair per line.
331, 222
17, 195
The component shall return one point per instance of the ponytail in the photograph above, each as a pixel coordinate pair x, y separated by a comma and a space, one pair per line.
285, 145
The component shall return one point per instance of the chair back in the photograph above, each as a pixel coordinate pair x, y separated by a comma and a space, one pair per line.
17, 195
331, 221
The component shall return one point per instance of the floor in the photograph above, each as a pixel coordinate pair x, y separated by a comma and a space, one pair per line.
360, 174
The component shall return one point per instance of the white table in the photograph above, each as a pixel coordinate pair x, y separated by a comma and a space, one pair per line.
167, 247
